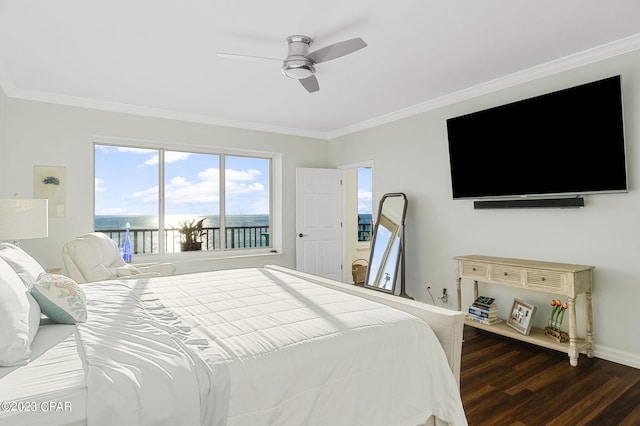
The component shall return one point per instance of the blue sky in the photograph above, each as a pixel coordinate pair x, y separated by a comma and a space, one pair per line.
126, 183
365, 189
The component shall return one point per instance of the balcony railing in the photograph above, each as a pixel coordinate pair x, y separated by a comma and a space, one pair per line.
145, 241
364, 231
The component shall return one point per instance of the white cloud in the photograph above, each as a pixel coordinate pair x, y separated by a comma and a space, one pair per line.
242, 182
179, 181
241, 175
210, 175
146, 195
135, 150
108, 149
180, 191
169, 157
104, 149
99, 185
239, 188
115, 211
364, 201
155, 159
365, 195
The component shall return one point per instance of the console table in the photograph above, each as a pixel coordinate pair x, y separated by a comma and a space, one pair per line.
555, 278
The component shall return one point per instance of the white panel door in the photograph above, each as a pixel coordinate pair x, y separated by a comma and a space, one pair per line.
319, 222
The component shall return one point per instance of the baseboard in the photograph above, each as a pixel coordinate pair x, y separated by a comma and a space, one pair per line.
617, 356
530, 203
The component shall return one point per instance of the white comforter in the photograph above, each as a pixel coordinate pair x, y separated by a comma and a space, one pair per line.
278, 351
139, 369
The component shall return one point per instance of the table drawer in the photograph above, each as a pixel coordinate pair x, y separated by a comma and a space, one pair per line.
543, 279
506, 274
469, 269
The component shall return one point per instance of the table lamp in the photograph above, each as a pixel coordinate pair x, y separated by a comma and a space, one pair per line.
23, 219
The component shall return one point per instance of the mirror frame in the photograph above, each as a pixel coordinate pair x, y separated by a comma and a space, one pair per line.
399, 261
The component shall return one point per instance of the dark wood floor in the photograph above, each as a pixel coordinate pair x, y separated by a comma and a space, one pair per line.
507, 382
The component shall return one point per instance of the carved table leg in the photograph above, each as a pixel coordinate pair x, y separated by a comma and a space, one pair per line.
589, 325
458, 282
573, 339
475, 290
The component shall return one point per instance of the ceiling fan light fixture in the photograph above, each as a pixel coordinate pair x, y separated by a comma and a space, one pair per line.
299, 64
298, 69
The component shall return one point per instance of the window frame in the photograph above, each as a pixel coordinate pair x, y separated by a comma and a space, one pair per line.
366, 243
275, 194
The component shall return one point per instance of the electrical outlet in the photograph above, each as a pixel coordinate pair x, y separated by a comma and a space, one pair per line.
444, 297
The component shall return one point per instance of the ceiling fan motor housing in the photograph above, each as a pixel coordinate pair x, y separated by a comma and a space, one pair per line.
297, 65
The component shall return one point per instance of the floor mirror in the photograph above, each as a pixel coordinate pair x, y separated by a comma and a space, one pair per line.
386, 260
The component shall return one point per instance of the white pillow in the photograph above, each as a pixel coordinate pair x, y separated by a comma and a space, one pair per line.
19, 318
27, 268
60, 298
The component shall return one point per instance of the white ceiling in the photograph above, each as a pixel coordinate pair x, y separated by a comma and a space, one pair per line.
158, 57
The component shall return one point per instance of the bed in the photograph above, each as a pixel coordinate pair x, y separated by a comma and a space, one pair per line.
258, 346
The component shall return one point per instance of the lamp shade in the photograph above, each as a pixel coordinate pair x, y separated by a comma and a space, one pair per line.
23, 219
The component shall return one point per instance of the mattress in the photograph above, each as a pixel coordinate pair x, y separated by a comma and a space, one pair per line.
51, 389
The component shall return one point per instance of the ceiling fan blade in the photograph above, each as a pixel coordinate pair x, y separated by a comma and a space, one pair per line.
245, 57
336, 50
310, 83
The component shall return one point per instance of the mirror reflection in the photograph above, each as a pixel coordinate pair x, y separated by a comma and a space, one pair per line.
387, 243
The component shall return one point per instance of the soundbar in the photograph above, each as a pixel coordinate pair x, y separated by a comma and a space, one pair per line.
530, 203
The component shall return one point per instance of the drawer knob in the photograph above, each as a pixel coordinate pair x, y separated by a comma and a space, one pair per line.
505, 274
543, 279
473, 269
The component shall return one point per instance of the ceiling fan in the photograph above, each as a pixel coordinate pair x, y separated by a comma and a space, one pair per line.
300, 64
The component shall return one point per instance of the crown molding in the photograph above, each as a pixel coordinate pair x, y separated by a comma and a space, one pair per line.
54, 98
596, 54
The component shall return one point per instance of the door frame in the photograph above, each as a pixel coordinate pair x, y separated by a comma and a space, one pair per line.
346, 270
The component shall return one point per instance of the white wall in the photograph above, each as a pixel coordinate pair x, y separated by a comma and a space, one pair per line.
606, 233
45, 134
3, 128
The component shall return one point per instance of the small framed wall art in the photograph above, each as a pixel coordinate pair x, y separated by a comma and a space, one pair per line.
51, 183
521, 316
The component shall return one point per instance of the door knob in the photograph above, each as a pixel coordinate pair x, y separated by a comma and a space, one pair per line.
302, 235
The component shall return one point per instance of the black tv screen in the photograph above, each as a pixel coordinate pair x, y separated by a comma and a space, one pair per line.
566, 142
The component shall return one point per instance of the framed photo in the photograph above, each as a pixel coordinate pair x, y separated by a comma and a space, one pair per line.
51, 183
521, 316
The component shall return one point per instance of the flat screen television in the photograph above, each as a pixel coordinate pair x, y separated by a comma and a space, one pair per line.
568, 142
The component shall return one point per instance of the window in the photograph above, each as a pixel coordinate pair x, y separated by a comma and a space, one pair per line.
365, 208
247, 201
223, 201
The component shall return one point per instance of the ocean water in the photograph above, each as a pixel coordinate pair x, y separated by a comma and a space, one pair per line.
148, 222
364, 218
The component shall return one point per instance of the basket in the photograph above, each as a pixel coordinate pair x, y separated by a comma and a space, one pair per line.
359, 271
558, 336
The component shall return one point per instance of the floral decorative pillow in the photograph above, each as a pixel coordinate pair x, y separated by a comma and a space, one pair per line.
60, 298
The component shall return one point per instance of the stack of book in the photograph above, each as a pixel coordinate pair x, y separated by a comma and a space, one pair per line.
484, 310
